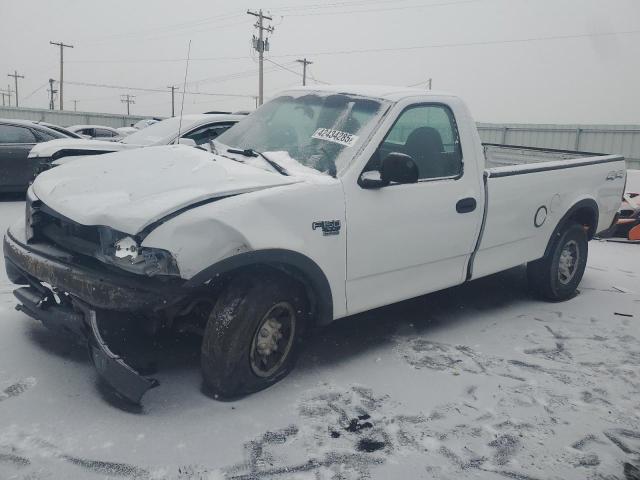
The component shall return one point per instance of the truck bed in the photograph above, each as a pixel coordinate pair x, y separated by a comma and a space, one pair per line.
504, 160
528, 190
497, 155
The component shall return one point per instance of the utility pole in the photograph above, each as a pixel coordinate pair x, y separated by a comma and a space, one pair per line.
128, 99
75, 105
261, 45
173, 100
304, 63
51, 91
9, 93
429, 83
16, 77
62, 47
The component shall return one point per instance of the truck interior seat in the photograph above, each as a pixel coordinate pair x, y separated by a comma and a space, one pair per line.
425, 146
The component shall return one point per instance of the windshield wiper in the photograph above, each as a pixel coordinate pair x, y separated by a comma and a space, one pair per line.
249, 152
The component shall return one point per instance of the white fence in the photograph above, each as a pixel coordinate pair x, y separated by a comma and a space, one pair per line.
67, 118
618, 139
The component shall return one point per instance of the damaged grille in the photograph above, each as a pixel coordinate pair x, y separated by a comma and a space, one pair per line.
51, 227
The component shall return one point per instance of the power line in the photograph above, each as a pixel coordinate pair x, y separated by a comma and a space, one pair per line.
372, 50
231, 76
159, 60
315, 6
462, 44
36, 91
166, 28
142, 89
384, 9
293, 71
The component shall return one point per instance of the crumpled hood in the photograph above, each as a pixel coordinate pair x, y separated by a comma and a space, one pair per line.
47, 149
129, 190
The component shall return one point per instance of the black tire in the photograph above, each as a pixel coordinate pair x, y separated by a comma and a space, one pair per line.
551, 281
232, 365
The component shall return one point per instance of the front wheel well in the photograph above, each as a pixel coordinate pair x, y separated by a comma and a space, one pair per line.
294, 265
288, 271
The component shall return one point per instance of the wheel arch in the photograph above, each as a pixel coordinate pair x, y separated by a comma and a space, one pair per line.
585, 212
294, 264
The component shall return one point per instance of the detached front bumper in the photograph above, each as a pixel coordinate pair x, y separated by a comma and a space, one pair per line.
82, 292
80, 321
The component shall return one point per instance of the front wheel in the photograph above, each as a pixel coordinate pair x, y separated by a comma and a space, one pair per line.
556, 276
253, 334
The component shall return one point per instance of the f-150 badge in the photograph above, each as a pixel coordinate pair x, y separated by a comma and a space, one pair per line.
329, 227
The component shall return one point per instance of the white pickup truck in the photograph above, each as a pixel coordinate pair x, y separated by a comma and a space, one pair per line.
323, 203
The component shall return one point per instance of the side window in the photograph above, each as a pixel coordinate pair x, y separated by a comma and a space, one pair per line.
13, 134
429, 135
207, 133
43, 136
102, 133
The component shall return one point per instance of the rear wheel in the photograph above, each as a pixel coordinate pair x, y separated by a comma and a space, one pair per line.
556, 276
253, 334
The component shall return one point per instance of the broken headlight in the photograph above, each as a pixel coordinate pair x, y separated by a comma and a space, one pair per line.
126, 253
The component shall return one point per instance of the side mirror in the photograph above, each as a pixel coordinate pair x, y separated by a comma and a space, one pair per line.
396, 167
189, 142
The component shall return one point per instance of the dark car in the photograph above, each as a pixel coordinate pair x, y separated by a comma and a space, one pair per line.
17, 137
59, 129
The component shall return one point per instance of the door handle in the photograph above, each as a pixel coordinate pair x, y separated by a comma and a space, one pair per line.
466, 205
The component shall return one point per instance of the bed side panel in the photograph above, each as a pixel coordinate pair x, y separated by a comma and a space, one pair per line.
524, 209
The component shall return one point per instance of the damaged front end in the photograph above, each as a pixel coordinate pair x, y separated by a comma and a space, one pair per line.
69, 294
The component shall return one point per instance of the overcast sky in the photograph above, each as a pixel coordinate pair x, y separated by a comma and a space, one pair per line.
532, 61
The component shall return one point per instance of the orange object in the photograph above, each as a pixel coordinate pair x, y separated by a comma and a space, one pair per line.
634, 233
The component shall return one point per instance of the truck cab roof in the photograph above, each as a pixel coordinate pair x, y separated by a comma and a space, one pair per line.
384, 92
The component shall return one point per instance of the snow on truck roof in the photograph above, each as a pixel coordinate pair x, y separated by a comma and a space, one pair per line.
386, 92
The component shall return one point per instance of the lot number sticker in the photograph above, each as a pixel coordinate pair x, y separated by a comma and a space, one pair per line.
335, 136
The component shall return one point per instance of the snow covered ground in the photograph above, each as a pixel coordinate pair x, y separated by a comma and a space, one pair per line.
478, 381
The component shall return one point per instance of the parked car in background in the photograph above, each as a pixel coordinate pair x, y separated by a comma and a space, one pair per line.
17, 137
59, 129
196, 129
97, 132
126, 131
144, 123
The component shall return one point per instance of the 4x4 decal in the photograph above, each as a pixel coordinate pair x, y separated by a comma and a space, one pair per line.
329, 227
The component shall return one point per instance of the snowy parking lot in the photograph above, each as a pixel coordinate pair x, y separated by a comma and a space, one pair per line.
479, 381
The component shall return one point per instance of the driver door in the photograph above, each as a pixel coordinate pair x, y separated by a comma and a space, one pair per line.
405, 240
